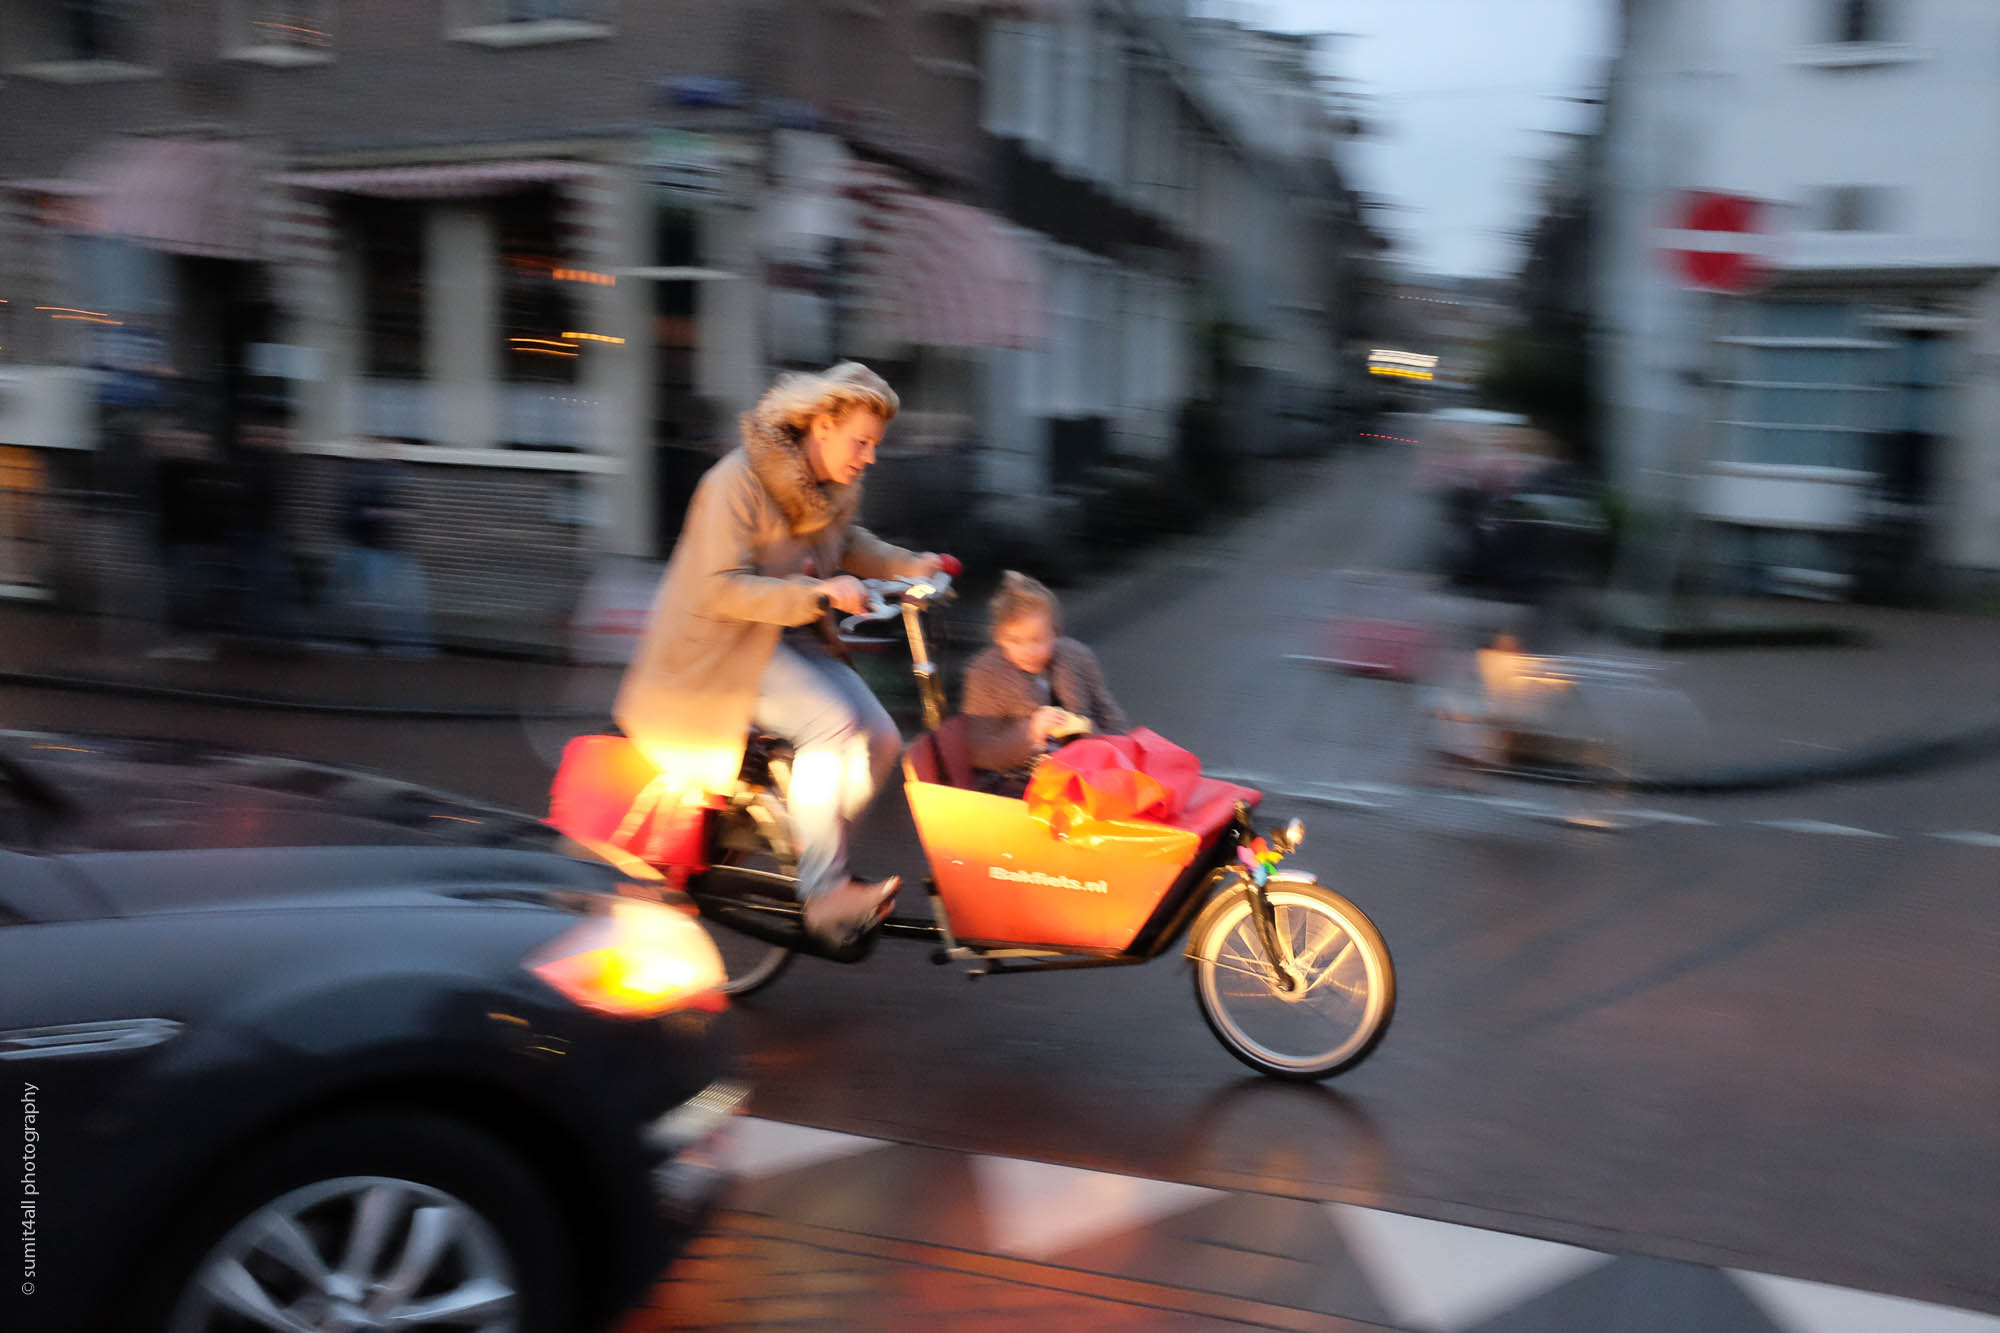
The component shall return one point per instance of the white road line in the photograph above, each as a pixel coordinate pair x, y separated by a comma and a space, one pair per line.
1971, 838
1819, 826
1384, 795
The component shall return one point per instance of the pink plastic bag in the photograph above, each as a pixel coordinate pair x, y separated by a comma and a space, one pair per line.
1140, 775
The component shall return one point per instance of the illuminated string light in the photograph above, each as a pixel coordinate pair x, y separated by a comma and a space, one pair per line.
585, 275
594, 338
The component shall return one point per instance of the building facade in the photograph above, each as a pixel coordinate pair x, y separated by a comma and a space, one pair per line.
1843, 443
550, 248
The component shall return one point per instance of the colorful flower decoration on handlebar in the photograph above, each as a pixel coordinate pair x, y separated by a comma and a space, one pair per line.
1259, 856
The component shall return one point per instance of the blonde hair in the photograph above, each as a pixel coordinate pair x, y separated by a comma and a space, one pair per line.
796, 397
1017, 596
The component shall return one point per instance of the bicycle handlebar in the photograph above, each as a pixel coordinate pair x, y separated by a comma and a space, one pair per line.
887, 596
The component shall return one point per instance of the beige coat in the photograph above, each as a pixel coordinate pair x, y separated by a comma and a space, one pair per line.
736, 579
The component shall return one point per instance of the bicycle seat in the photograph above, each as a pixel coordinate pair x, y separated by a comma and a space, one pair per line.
943, 756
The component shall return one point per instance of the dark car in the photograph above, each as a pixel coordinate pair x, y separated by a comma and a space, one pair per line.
1517, 538
302, 1047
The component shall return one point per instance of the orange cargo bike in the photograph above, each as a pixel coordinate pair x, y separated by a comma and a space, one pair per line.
1291, 977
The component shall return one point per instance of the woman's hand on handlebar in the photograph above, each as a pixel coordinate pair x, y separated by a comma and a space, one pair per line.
925, 566
845, 593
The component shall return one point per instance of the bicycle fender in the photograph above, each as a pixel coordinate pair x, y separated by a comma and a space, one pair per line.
1238, 886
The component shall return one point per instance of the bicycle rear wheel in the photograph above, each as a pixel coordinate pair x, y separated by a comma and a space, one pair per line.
751, 963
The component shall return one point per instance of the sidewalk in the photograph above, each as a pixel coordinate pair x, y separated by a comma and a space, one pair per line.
1915, 688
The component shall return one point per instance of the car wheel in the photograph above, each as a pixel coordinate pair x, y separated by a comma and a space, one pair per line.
379, 1219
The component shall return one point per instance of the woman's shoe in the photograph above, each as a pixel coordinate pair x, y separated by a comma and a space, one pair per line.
838, 917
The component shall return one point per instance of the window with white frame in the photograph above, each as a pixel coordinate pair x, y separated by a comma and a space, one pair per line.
279, 32
1857, 21
1072, 129
528, 22
1005, 58
1038, 84
98, 29
1809, 386
1853, 208
80, 40
1108, 118
547, 11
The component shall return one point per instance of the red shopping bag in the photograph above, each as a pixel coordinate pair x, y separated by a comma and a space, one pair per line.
1140, 775
606, 791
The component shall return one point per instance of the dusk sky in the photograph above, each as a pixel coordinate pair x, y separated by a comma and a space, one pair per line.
1465, 93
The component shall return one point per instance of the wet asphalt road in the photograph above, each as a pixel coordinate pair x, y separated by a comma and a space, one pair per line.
1725, 1042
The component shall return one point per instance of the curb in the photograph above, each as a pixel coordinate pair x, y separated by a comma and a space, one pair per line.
36, 680
1894, 758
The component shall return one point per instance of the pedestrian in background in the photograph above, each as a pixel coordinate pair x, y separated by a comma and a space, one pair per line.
386, 596
195, 504
263, 562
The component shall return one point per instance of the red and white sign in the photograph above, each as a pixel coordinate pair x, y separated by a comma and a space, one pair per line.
1722, 242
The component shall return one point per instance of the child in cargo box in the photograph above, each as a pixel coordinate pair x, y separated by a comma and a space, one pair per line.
1031, 690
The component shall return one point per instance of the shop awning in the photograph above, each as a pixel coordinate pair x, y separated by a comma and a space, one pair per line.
184, 196
453, 180
934, 273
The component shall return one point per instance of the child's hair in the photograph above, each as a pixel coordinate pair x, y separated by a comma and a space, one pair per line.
1020, 595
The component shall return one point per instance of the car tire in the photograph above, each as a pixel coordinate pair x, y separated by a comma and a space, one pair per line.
504, 1233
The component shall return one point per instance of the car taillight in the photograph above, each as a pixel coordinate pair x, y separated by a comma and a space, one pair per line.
638, 960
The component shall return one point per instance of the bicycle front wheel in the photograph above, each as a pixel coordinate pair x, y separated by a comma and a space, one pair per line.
1343, 991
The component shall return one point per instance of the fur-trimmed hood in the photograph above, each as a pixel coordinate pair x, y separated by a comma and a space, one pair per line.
778, 459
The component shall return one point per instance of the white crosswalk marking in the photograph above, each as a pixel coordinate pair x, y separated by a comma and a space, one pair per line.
1036, 1210
1443, 1277
1813, 1307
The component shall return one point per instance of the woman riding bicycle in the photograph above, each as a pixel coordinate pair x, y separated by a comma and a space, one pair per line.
741, 634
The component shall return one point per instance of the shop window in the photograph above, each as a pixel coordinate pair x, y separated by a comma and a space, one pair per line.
540, 314
391, 237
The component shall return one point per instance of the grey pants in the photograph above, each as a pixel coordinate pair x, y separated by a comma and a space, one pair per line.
844, 746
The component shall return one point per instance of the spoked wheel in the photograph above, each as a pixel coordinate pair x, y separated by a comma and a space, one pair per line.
1343, 982
751, 963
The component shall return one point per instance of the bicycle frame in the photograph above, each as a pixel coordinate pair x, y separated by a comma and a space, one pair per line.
762, 903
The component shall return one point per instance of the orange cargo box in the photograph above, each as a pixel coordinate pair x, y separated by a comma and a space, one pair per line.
1005, 878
